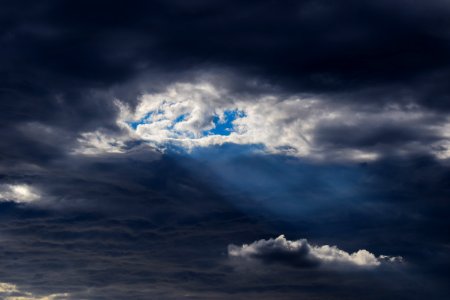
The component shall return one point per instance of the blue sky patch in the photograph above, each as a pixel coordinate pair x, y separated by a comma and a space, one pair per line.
178, 119
225, 126
144, 120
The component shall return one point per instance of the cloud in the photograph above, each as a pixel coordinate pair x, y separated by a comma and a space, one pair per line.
312, 79
300, 253
95, 143
73, 96
202, 114
20, 193
305, 48
126, 209
10, 291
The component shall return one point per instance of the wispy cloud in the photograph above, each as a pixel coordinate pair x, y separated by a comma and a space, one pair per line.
9, 291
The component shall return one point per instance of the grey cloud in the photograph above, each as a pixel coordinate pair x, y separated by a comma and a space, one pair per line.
118, 226
143, 224
300, 253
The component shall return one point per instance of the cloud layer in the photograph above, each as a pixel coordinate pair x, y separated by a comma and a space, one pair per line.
138, 139
124, 225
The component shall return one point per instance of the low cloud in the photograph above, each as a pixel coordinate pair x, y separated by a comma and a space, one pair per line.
300, 253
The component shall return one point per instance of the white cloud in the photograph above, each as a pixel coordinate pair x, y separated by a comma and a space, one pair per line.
302, 254
192, 115
21, 193
10, 291
185, 114
441, 149
93, 143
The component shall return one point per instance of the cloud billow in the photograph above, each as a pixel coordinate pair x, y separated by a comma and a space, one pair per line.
300, 253
204, 114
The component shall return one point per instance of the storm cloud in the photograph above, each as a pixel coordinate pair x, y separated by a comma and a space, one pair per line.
144, 146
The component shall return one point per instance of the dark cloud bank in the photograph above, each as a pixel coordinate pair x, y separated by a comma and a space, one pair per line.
143, 224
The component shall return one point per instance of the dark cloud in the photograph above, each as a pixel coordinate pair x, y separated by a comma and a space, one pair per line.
315, 46
300, 253
138, 223
161, 228
64, 63
386, 138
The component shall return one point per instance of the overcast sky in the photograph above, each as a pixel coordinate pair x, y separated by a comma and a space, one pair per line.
224, 149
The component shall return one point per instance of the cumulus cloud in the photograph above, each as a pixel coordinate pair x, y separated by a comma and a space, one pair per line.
20, 193
300, 253
202, 114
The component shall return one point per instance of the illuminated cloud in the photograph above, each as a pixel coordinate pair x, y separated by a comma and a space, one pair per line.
190, 115
20, 193
10, 291
94, 143
300, 253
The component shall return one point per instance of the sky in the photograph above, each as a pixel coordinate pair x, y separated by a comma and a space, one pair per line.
199, 149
